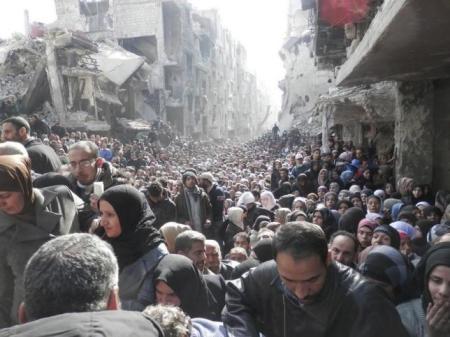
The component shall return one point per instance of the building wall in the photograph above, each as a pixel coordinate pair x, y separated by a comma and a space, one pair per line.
204, 93
146, 18
414, 131
441, 173
303, 83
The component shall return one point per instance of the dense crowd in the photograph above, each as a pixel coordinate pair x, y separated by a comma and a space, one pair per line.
279, 236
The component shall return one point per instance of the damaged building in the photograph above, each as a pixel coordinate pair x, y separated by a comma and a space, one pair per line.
104, 63
391, 64
304, 82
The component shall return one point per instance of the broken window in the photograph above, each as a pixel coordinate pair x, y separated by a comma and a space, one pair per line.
145, 46
96, 12
93, 7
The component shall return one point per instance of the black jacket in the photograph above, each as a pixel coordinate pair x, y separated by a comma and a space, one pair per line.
347, 306
165, 211
217, 199
43, 158
112, 323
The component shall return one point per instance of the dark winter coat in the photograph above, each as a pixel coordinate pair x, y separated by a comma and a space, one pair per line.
43, 158
111, 323
347, 306
55, 214
182, 208
165, 211
217, 198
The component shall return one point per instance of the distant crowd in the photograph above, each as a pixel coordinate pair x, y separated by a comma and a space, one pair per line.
280, 236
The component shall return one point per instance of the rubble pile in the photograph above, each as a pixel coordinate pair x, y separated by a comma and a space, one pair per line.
18, 63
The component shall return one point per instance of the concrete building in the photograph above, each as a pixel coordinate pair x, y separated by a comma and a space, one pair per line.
304, 82
195, 74
391, 71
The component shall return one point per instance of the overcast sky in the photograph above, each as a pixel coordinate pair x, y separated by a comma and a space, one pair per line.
259, 24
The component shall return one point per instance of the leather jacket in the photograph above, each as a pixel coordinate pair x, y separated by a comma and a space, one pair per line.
347, 306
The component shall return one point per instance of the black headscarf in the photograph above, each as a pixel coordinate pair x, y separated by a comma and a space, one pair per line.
136, 221
349, 220
329, 225
392, 233
180, 274
437, 255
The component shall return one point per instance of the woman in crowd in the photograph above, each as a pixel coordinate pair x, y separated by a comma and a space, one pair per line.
127, 222
169, 232
28, 218
373, 204
429, 315
387, 267
365, 232
325, 219
233, 225
178, 282
268, 201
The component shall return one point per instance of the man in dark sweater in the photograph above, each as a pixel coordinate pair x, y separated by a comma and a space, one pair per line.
43, 158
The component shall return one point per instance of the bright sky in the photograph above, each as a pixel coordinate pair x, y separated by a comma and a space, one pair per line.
260, 25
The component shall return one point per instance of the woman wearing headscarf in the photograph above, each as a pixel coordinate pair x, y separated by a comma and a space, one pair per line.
429, 315
268, 201
29, 217
350, 220
234, 224
178, 282
127, 222
325, 219
303, 186
323, 179
169, 231
392, 271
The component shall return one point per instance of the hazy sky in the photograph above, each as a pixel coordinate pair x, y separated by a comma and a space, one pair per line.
259, 24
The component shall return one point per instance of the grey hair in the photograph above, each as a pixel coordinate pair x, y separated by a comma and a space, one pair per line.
71, 273
13, 148
184, 240
172, 320
215, 244
87, 146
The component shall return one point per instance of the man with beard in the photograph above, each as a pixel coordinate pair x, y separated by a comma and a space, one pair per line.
43, 158
192, 204
161, 204
303, 293
217, 198
192, 245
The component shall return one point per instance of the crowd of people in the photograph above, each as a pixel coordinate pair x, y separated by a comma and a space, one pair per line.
278, 237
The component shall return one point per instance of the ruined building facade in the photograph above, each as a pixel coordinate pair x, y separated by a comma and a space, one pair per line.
198, 74
391, 71
111, 62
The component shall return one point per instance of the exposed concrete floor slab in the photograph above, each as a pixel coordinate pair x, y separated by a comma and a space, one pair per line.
407, 40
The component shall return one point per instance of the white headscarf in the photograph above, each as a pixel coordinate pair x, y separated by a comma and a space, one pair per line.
270, 203
235, 216
246, 198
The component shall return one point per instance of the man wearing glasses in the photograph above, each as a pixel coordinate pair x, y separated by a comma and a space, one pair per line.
87, 168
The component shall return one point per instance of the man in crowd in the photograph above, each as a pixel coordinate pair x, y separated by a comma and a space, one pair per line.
86, 168
242, 239
192, 245
343, 248
192, 204
217, 198
162, 206
303, 293
214, 260
71, 285
43, 157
